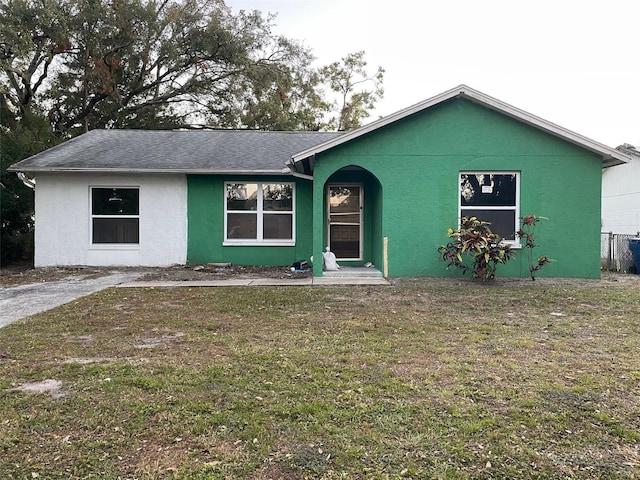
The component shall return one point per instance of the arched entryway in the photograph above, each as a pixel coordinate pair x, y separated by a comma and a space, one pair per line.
353, 216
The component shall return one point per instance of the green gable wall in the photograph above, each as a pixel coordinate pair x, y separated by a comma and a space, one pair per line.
417, 161
205, 207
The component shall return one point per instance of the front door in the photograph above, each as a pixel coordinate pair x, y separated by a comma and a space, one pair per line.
345, 221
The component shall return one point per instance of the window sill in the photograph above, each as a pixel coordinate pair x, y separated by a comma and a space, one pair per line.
114, 246
230, 243
514, 246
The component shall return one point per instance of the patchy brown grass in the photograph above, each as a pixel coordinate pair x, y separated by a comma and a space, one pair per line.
14, 276
423, 379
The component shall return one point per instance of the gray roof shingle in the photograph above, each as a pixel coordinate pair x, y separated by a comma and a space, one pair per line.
188, 151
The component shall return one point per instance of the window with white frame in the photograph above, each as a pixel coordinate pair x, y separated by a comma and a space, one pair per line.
115, 215
492, 197
259, 213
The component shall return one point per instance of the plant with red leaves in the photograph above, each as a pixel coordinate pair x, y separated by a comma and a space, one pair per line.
527, 229
475, 239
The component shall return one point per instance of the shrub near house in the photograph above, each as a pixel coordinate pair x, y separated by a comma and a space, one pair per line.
474, 240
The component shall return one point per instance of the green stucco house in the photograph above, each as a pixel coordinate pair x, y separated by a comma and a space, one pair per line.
384, 194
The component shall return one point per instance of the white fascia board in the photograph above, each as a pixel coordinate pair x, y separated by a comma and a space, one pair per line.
610, 156
155, 170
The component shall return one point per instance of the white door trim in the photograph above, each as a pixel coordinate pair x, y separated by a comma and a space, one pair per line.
360, 218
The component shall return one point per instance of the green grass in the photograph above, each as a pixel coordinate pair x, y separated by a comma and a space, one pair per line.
420, 380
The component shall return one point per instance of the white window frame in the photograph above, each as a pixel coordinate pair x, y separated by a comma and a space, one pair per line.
114, 246
260, 213
515, 243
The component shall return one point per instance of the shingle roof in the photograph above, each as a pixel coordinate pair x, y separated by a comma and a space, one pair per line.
188, 151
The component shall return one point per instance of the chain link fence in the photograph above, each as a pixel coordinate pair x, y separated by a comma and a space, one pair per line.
615, 255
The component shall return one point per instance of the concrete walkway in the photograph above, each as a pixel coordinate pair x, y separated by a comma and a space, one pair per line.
256, 282
25, 300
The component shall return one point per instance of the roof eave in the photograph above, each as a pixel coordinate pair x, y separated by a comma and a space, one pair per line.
612, 162
149, 170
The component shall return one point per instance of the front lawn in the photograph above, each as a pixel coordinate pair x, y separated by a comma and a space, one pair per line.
418, 380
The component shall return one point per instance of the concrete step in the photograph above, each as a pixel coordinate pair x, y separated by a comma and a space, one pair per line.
353, 272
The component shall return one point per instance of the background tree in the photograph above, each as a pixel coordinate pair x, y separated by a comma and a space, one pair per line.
333, 97
344, 78
19, 140
290, 100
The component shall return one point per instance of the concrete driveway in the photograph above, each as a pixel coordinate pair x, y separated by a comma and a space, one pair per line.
25, 300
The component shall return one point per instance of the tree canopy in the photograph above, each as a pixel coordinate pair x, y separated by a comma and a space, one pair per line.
87, 64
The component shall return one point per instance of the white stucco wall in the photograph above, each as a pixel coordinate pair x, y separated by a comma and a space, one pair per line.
62, 221
621, 198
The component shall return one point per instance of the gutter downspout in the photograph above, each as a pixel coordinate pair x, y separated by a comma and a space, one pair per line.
28, 182
302, 175
292, 172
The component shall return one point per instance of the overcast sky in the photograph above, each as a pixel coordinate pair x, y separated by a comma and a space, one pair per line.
574, 63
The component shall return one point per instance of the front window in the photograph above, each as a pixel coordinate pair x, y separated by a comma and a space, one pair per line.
115, 215
259, 213
492, 197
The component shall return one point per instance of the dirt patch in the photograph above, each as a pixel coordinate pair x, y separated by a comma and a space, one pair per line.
14, 276
87, 360
24, 275
218, 272
160, 340
81, 338
51, 386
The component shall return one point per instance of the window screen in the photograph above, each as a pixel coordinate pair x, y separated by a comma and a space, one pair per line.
115, 215
491, 197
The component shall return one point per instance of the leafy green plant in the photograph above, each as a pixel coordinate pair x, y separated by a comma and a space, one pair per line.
526, 233
475, 240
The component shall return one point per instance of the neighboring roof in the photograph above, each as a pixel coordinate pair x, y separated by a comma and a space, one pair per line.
303, 161
629, 149
174, 151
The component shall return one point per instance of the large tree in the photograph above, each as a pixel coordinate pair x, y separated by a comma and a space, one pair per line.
134, 63
163, 63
